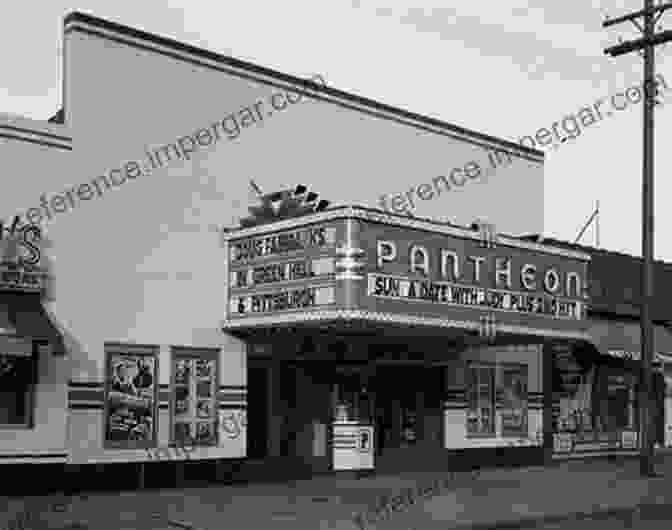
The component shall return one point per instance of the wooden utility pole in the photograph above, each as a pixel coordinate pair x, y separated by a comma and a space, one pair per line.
650, 16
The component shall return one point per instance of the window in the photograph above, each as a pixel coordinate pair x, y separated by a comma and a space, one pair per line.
480, 400
17, 390
514, 406
131, 389
194, 405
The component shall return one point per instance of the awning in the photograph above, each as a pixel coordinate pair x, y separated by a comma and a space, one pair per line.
623, 340
22, 316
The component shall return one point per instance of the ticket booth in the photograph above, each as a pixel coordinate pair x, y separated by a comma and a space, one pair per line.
353, 442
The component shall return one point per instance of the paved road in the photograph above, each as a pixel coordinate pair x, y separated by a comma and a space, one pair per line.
650, 517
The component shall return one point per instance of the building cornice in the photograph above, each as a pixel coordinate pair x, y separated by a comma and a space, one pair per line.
92, 25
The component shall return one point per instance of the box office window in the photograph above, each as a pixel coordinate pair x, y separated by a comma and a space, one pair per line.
514, 400
194, 410
131, 387
17, 391
480, 399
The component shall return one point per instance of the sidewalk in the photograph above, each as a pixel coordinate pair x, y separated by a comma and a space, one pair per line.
329, 502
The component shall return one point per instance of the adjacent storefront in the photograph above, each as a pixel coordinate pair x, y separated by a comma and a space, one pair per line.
596, 392
412, 338
31, 350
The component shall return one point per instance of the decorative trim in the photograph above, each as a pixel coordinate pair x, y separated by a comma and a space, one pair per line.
349, 263
32, 457
378, 216
349, 275
348, 252
409, 320
33, 132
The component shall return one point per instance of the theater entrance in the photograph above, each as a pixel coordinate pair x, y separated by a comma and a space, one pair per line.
409, 415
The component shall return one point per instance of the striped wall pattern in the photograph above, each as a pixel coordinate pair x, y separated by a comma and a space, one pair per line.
91, 396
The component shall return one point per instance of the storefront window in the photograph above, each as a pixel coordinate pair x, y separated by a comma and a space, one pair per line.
16, 390
480, 399
194, 402
597, 399
131, 396
514, 408
617, 400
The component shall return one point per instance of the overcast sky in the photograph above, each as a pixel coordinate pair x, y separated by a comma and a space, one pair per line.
502, 68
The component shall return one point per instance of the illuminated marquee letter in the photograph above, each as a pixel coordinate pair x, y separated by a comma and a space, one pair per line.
423, 265
477, 266
387, 251
573, 278
527, 274
445, 255
503, 271
551, 280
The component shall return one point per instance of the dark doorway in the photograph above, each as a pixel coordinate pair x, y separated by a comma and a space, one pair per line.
409, 417
257, 409
408, 406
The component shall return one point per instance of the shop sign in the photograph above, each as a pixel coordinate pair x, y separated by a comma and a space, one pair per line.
285, 300
20, 278
253, 248
397, 287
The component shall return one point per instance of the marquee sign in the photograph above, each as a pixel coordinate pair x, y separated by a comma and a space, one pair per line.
281, 272
303, 298
289, 271
449, 274
401, 288
355, 264
283, 243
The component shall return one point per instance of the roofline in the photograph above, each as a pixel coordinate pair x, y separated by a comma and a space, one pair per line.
591, 250
78, 16
379, 216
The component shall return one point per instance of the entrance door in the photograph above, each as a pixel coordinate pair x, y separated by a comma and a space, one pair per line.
409, 416
398, 413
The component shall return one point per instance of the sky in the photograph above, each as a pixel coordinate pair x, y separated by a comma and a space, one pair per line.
506, 69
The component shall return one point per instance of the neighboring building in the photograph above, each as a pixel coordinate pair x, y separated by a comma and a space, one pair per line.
596, 396
137, 279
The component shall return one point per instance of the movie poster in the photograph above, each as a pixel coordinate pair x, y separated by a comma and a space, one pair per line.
131, 400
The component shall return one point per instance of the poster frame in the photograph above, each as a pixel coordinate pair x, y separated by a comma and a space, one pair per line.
187, 352
135, 350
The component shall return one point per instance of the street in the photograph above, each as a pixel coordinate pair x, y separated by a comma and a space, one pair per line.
650, 517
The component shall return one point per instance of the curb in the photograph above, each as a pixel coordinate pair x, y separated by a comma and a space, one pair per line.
536, 522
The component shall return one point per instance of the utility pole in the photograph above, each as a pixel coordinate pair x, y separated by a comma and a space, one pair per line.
650, 16
597, 224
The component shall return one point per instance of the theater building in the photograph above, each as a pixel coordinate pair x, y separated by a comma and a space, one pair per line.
379, 342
